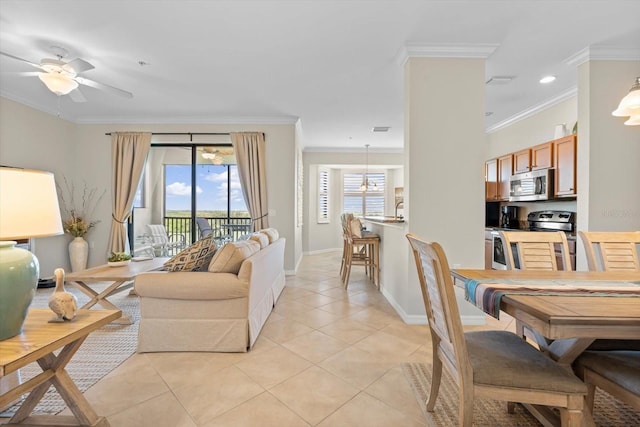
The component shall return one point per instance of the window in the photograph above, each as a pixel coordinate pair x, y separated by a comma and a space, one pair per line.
323, 196
370, 202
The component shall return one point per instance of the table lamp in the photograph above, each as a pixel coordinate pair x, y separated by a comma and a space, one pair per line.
28, 208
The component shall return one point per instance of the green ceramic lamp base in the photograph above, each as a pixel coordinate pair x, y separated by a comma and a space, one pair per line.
19, 271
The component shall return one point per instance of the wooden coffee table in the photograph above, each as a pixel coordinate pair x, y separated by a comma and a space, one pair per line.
38, 342
122, 278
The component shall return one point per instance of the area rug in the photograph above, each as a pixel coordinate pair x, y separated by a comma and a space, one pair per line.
608, 411
103, 350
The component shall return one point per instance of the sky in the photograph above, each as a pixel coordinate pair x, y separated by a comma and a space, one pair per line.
211, 187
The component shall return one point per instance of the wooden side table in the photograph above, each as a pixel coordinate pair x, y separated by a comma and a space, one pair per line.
37, 343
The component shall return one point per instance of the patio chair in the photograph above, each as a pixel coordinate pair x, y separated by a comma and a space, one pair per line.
163, 243
489, 364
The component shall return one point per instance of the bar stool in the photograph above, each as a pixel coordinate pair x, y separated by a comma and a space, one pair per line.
359, 249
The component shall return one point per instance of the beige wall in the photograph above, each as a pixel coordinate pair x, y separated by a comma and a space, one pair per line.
328, 236
533, 130
36, 140
33, 139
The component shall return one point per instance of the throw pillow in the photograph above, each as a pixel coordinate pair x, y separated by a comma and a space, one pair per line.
194, 258
261, 238
230, 257
356, 228
272, 233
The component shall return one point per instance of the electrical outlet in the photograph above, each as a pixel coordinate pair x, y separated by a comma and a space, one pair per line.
92, 244
272, 212
456, 266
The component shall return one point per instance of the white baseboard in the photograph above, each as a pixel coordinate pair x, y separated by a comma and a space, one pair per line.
421, 319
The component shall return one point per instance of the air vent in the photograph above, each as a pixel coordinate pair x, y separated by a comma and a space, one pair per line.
381, 129
499, 80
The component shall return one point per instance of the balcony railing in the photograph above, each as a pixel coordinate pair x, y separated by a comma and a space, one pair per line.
231, 228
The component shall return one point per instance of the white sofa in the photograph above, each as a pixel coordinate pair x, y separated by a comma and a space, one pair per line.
205, 311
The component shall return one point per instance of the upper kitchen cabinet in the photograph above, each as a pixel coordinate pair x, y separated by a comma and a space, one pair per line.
491, 180
522, 161
542, 156
505, 170
565, 166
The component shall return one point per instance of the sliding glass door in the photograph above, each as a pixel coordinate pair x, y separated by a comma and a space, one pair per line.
184, 182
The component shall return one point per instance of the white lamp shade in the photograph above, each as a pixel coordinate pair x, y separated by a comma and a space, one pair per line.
57, 83
630, 104
633, 120
28, 204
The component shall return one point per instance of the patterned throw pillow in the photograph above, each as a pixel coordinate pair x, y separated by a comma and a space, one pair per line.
194, 258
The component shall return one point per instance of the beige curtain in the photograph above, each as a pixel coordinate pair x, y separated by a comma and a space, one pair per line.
249, 149
129, 152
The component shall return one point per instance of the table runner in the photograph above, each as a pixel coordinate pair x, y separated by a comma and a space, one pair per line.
487, 294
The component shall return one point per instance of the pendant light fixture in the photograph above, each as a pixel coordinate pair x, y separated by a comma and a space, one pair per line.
366, 184
630, 105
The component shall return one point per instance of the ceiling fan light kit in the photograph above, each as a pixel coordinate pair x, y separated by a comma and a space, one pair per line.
57, 83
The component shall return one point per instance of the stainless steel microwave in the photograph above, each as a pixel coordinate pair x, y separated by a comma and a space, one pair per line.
531, 186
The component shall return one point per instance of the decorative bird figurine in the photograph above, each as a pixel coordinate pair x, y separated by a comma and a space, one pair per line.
64, 304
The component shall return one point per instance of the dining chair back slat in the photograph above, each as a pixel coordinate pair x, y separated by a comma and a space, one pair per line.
611, 250
536, 250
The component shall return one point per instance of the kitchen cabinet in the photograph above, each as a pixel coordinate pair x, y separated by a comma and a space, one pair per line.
542, 156
505, 170
522, 161
565, 166
491, 180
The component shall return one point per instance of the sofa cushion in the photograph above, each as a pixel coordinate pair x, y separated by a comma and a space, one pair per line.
261, 238
194, 258
271, 233
230, 257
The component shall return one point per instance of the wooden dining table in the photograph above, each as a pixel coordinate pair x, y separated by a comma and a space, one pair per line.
565, 325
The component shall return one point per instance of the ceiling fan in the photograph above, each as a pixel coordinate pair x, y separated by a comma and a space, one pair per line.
62, 78
216, 155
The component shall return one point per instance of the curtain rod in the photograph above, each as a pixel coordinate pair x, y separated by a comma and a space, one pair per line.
185, 133
188, 133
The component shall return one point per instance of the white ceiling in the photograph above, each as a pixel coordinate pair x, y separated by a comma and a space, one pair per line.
335, 65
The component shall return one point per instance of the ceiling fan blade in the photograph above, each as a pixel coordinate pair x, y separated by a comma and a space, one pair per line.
104, 87
22, 73
33, 64
77, 66
77, 96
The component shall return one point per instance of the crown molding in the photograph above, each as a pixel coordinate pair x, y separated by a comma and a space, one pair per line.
603, 53
447, 50
35, 106
568, 94
226, 120
356, 150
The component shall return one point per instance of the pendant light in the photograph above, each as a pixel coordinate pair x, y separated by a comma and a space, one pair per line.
366, 184
630, 105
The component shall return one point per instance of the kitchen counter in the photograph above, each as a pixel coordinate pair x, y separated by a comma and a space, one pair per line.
384, 219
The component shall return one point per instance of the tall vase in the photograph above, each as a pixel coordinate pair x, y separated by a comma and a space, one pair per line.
78, 254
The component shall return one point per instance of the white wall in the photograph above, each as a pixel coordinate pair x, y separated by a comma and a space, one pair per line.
32, 139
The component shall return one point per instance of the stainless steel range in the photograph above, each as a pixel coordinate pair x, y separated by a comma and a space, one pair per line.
552, 221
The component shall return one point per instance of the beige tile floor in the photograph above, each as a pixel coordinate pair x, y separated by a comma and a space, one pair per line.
326, 357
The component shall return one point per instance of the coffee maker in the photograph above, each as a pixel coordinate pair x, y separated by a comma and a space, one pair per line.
509, 217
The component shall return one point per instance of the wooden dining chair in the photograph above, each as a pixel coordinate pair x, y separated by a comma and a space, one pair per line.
359, 248
611, 250
536, 250
490, 364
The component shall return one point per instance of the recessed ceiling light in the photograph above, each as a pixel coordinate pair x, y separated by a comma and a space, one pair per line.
547, 79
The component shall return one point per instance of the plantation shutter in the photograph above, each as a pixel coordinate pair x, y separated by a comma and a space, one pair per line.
369, 203
323, 196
